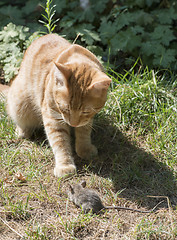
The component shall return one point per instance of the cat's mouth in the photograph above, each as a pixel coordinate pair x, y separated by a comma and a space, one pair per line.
80, 125
77, 125
74, 124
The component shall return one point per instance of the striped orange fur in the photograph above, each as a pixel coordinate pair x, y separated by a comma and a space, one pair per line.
59, 85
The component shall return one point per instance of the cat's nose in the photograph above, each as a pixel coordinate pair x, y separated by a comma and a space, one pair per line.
74, 120
72, 125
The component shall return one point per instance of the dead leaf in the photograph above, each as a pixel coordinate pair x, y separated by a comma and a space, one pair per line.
7, 180
20, 177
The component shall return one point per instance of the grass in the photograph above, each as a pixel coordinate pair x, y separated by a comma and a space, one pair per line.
148, 104
136, 136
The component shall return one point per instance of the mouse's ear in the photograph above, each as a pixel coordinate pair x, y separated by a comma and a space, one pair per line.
71, 189
83, 183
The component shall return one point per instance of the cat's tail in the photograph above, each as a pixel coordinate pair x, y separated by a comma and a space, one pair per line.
3, 91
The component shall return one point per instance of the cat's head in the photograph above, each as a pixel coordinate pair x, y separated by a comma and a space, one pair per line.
80, 91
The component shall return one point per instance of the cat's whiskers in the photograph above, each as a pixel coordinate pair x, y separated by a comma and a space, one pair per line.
58, 117
62, 122
94, 110
91, 126
96, 126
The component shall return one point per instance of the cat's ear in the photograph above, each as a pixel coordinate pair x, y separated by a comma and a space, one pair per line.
71, 189
62, 74
100, 86
83, 183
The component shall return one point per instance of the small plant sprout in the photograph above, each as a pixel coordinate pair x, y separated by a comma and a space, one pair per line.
49, 22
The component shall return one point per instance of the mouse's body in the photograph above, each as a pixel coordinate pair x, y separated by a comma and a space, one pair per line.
85, 198
88, 199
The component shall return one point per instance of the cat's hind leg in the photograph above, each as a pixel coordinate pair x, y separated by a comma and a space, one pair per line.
21, 110
24, 132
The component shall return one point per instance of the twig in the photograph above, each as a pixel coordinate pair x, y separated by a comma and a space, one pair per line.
168, 201
169, 208
157, 206
11, 228
76, 38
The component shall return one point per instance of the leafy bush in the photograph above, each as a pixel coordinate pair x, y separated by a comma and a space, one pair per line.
114, 30
21, 12
13, 41
139, 28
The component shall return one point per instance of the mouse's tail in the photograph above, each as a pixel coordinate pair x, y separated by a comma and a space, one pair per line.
132, 209
128, 209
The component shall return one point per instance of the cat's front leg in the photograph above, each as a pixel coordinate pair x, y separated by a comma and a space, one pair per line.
84, 148
58, 134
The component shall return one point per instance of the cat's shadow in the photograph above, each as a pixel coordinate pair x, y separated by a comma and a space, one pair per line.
134, 172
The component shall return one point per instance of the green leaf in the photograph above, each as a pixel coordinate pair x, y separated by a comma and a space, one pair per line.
163, 33
143, 18
138, 29
152, 48
87, 16
30, 7
165, 16
127, 40
89, 36
166, 58
12, 39
13, 13
107, 31
99, 6
147, 48
151, 2
60, 6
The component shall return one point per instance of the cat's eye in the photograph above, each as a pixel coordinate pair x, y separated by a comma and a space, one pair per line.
65, 110
98, 109
85, 112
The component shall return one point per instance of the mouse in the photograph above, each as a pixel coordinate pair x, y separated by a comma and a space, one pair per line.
89, 200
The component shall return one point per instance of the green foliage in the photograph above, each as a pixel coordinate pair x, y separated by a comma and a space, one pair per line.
13, 41
113, 30
143, 32
137, 28
50, 24
21, 13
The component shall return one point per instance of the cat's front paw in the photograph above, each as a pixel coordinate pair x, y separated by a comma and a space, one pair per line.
87, 152
64, 170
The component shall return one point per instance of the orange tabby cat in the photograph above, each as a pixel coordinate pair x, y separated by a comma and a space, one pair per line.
59, 85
